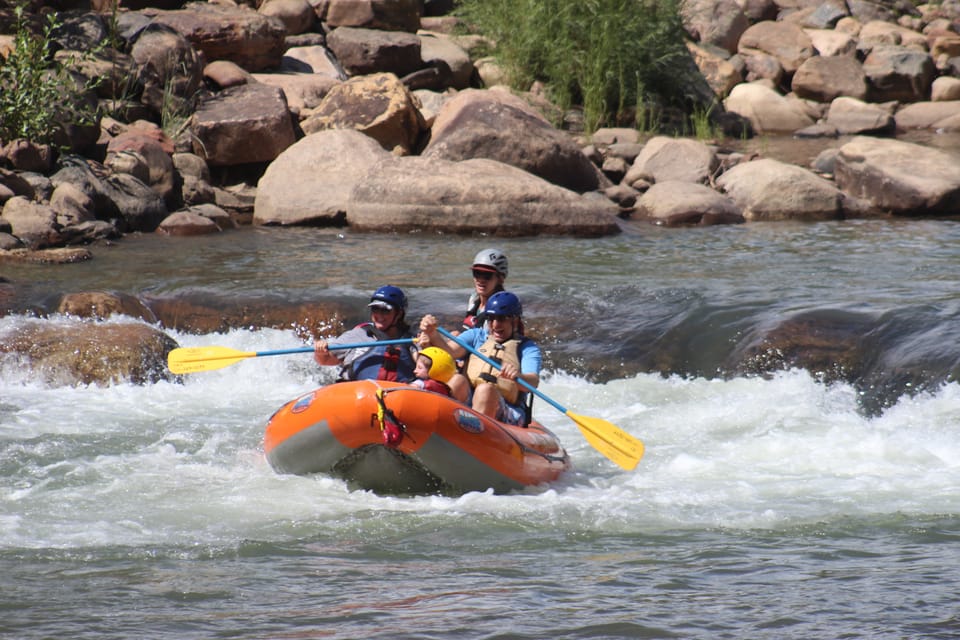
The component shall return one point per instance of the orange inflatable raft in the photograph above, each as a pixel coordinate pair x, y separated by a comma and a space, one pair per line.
393, 438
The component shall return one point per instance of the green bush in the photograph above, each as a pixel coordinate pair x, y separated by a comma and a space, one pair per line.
618, 59
39, 96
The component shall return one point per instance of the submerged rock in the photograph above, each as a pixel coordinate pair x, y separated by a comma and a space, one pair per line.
90, 353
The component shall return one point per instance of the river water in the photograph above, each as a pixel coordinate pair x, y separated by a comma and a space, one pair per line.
782, 505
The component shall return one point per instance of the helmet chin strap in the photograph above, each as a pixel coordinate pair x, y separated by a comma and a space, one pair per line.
397, 319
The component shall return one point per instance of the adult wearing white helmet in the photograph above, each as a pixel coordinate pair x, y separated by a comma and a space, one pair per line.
489, 273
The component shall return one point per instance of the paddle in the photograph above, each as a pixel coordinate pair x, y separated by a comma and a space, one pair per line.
606, 437
194, 359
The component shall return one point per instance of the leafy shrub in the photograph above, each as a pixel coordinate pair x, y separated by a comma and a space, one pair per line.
619, 59
39, 96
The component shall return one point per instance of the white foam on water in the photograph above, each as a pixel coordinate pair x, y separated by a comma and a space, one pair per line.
182, 463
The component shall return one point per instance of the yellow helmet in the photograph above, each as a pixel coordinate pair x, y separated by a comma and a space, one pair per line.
442, 367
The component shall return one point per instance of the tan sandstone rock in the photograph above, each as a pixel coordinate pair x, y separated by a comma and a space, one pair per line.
898, 177
91, 353
310, 182
768, 190
473, 196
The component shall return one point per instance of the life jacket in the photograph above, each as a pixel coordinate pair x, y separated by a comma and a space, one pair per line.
478, 371
436, 386
474, 317
386, 362
473, 307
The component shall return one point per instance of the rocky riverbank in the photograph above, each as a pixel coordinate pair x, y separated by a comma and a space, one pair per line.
374, 115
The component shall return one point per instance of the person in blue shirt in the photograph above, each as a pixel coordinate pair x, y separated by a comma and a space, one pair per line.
388, 308
495, 393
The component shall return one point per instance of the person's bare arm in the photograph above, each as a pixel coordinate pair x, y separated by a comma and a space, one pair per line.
428, 328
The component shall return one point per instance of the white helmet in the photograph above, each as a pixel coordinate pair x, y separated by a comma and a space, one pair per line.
492, 258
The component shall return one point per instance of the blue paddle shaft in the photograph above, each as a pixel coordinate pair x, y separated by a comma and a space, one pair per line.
358, 345
523, 383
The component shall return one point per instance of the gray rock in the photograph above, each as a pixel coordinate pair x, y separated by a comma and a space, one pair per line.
674, 159
242, 125
768, 190
473, 196
311, 181
500, 126
363, 51
898, 177
675, 203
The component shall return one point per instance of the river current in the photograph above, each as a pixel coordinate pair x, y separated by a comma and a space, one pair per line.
774, 504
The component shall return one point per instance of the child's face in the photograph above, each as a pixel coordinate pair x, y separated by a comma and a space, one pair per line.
422, 370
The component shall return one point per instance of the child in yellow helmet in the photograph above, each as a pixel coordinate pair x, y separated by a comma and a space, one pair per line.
436, 371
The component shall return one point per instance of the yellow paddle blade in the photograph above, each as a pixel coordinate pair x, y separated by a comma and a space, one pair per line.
194, 359
610, 440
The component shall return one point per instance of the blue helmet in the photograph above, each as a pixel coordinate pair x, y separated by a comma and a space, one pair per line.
389, 295
503, 303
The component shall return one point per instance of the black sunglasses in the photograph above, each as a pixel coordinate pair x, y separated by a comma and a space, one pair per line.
495, 316
482, 275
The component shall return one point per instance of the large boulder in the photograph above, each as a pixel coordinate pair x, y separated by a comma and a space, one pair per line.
714, 22
101, 305
900, 177
680, 159
168, 69
203, 312
785, 41
767, 110
90, 353
877, 33
942, 116
242, 125
378, 105
120, 198
834, 343
718, 70
440, 49
387, 15
899, 73
945, 89
222, 32
825, 78
769, 190
71, 205
364, 51
473, 196
310, 182
500, 126
160, 173
829, 42
33, 223
297, 16
674, 203
190, 222
852, 116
